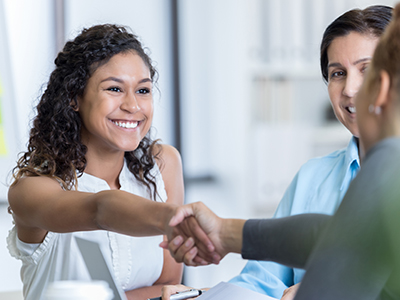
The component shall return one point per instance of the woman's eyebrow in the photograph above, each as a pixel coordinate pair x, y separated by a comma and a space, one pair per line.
361, 60
334, 65
113, 79
119, 80
145, 80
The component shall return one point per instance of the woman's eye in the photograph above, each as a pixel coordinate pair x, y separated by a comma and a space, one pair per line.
338, 74
114, 89
143, 91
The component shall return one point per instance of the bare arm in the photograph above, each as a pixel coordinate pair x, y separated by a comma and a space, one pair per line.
41, 205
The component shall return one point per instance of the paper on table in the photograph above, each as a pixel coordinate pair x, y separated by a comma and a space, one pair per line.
224, 290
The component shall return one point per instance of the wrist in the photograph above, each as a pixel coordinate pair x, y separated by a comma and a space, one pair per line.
232, 235
166, 213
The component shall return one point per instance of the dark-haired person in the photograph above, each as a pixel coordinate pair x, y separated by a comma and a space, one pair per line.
354, 254
91, 167
319, 186
347, 47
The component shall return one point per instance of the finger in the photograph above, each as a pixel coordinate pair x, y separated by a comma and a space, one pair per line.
189, 256
181, 213
213, 257
201, 238
174, 245
187, 246
200, 261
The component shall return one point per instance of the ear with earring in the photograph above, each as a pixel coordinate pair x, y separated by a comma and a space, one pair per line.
374, 109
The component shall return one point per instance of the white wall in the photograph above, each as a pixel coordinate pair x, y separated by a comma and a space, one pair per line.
29, 27
219, 41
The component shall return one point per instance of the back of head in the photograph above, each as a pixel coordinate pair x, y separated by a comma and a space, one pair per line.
370, 21
387, 53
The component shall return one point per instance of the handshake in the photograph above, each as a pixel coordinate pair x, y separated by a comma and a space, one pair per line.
198, 237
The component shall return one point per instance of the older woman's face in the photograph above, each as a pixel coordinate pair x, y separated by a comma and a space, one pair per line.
348, 58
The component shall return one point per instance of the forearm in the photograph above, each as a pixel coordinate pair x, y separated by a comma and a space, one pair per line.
287, 241
129, 214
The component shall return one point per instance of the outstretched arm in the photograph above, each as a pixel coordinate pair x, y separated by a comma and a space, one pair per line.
285, 240
39, 205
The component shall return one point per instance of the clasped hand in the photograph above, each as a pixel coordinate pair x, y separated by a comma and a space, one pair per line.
196, 238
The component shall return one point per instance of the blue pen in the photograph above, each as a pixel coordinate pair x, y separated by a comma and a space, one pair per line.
182, 295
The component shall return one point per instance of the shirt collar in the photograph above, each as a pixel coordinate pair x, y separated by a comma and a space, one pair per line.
352, 152
90, 183
352, 161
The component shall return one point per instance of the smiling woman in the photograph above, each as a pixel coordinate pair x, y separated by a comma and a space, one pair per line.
117, 106
349, 57
91, 168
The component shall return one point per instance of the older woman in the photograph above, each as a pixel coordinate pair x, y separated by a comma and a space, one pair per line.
347, 47
353, 254
346, 51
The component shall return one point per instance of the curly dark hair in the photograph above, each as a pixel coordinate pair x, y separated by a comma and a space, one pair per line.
55, 148
371, 20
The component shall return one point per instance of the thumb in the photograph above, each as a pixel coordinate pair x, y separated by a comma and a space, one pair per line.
164, 245
180, 214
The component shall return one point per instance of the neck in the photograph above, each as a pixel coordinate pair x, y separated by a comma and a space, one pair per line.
106, 167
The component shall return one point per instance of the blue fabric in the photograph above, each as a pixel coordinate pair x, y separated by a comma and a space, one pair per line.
318, 187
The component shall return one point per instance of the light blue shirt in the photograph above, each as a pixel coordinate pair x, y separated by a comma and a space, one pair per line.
318, 187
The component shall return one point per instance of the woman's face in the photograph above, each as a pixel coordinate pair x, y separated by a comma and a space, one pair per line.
348, 58
117, 105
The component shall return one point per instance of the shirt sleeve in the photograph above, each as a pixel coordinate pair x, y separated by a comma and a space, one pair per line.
265, 277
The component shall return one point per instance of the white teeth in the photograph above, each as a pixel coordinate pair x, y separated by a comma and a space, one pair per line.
352, 109
128, 125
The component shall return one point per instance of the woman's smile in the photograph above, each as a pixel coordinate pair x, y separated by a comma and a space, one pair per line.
126, 124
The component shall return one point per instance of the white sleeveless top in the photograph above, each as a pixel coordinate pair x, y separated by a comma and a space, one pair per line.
136, 261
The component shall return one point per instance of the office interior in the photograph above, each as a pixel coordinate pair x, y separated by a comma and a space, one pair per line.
240, 95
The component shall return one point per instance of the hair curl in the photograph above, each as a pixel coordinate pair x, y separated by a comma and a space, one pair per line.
371, 20
55, 148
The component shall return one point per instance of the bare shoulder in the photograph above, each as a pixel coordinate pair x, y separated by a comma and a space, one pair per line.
168, 157
26, 197
170, 165
32, 186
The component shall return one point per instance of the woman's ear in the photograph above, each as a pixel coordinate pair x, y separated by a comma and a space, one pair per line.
384, 90
75, 104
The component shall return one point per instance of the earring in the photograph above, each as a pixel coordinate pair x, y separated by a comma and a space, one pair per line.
376, 110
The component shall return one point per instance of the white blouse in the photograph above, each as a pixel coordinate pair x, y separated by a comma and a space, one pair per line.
136, 261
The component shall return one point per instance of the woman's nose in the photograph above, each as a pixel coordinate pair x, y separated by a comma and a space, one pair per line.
130, 103
352, 85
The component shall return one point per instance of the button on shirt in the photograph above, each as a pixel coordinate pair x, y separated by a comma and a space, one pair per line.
318, 187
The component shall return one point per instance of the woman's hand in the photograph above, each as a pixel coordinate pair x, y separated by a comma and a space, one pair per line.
199, 223
169, 290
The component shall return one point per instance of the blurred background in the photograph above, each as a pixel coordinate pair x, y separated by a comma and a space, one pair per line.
240, 94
